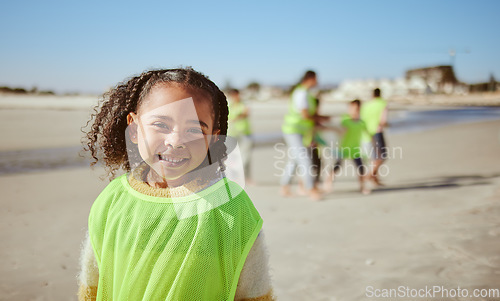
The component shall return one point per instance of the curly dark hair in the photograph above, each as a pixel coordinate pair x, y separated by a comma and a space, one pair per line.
106, 137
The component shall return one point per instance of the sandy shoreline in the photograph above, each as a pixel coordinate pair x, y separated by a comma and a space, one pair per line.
434, 223
46, 139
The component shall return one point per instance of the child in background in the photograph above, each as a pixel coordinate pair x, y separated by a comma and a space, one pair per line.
350, 146
374, 113
317, 143
315, 146
239, 128
173, 227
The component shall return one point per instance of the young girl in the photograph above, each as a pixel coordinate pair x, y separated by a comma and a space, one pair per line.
173, 227
350, 146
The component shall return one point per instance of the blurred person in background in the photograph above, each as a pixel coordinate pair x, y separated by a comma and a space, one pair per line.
374, 113
239, 128
352, 129
298, 132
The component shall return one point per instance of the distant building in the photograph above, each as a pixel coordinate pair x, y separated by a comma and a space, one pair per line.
439, 79
416, 82
363, 89
421, 81
490, 86
262, 93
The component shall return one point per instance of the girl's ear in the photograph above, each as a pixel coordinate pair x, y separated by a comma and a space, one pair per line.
132, 126
215, 136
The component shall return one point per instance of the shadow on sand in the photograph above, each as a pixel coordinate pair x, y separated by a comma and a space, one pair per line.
441, 182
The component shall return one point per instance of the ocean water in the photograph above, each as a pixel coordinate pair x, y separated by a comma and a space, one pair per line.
400, 122
405, 121
416, 121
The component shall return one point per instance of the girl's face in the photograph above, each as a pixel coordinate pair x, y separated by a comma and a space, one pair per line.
173, 129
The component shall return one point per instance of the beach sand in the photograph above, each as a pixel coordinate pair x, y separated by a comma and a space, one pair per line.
435, 222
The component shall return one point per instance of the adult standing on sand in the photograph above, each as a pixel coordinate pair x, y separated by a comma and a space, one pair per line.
298, 129
374, 114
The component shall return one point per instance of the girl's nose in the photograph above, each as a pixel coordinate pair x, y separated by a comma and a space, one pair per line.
175, 140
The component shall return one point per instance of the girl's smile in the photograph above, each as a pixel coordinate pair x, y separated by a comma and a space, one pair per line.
173, 160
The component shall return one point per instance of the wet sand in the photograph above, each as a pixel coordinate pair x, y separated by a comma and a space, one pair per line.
435, 222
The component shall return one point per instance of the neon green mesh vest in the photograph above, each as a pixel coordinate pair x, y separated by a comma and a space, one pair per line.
294, 123
371, 113
240, 126
185, 248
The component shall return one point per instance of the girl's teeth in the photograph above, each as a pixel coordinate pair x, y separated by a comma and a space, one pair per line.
171, 159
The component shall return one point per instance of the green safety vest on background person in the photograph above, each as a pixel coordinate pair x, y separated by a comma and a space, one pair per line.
371, 114
295, 123
350, 145
184, 248
238, 127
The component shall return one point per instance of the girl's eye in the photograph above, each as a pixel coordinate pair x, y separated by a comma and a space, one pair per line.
160, 125
196, 131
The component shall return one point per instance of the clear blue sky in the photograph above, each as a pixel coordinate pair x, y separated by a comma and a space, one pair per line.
88, 46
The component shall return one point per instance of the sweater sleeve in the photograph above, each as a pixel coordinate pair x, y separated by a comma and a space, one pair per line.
89, 273
255, 282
